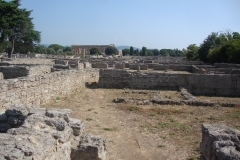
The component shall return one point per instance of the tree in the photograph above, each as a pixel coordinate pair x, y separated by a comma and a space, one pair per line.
155, 52
51, 51
131, 51
149, 53
136, 52
111, 50
95, 51
57, 48
192, 52
17, 27
233, 48
67, 49
126, 51
221, 48
40, 49
144, 51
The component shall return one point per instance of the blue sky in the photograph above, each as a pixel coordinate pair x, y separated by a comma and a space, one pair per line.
151, 23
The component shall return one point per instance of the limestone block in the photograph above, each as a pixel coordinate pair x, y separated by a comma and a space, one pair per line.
47, 134
220, 142
90, 147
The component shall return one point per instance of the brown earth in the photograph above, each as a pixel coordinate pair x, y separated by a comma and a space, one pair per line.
150, 132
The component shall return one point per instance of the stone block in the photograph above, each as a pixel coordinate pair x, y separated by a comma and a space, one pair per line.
220, 142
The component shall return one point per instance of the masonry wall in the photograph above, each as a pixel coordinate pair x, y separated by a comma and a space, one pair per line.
23, 71
40, 89
135, 66
99, 65
198, 84
14, 71
30, 61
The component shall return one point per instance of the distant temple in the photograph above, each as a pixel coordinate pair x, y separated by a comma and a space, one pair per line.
85, 49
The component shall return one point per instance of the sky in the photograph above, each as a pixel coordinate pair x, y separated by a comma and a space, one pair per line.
151, 23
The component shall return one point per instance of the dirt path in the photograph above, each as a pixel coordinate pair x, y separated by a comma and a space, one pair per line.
130, 135
127, 140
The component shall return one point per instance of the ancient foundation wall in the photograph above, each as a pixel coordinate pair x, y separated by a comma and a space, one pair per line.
119, 65
40, 89
219, 142
160, 67
23, 71
135, 66
198, 84
226, 65
99, 65
31, 61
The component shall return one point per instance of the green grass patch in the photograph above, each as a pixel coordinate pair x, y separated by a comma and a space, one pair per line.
89, 119
161, 146
153, 114
110, 129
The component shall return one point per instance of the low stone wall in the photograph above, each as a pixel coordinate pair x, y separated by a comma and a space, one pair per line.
14, 71
136, 66
219, 142
40, 89
63, 62
151, 65
99, 65
197, 84
226, 65
195, 69
30, 132
23, 71
160, 67
119, 65
31, 61
187, 68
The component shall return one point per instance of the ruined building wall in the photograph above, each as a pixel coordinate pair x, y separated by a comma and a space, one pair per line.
85, 49
199, 84
40, 89
13, 71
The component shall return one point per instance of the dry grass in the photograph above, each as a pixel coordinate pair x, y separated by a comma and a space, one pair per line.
146, 132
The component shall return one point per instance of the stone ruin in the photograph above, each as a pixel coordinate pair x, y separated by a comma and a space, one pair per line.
187, 99
30, 132
60, 137
219, 142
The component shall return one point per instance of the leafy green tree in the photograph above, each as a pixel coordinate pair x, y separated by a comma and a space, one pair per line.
57, 48
220, 47
51, 51
144, 51
17, 27
67, 49
131, 51
95, 51
192, 52
149, 53
233, 49
136, 52
155, 52
126, 51
40, 49
111, 50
